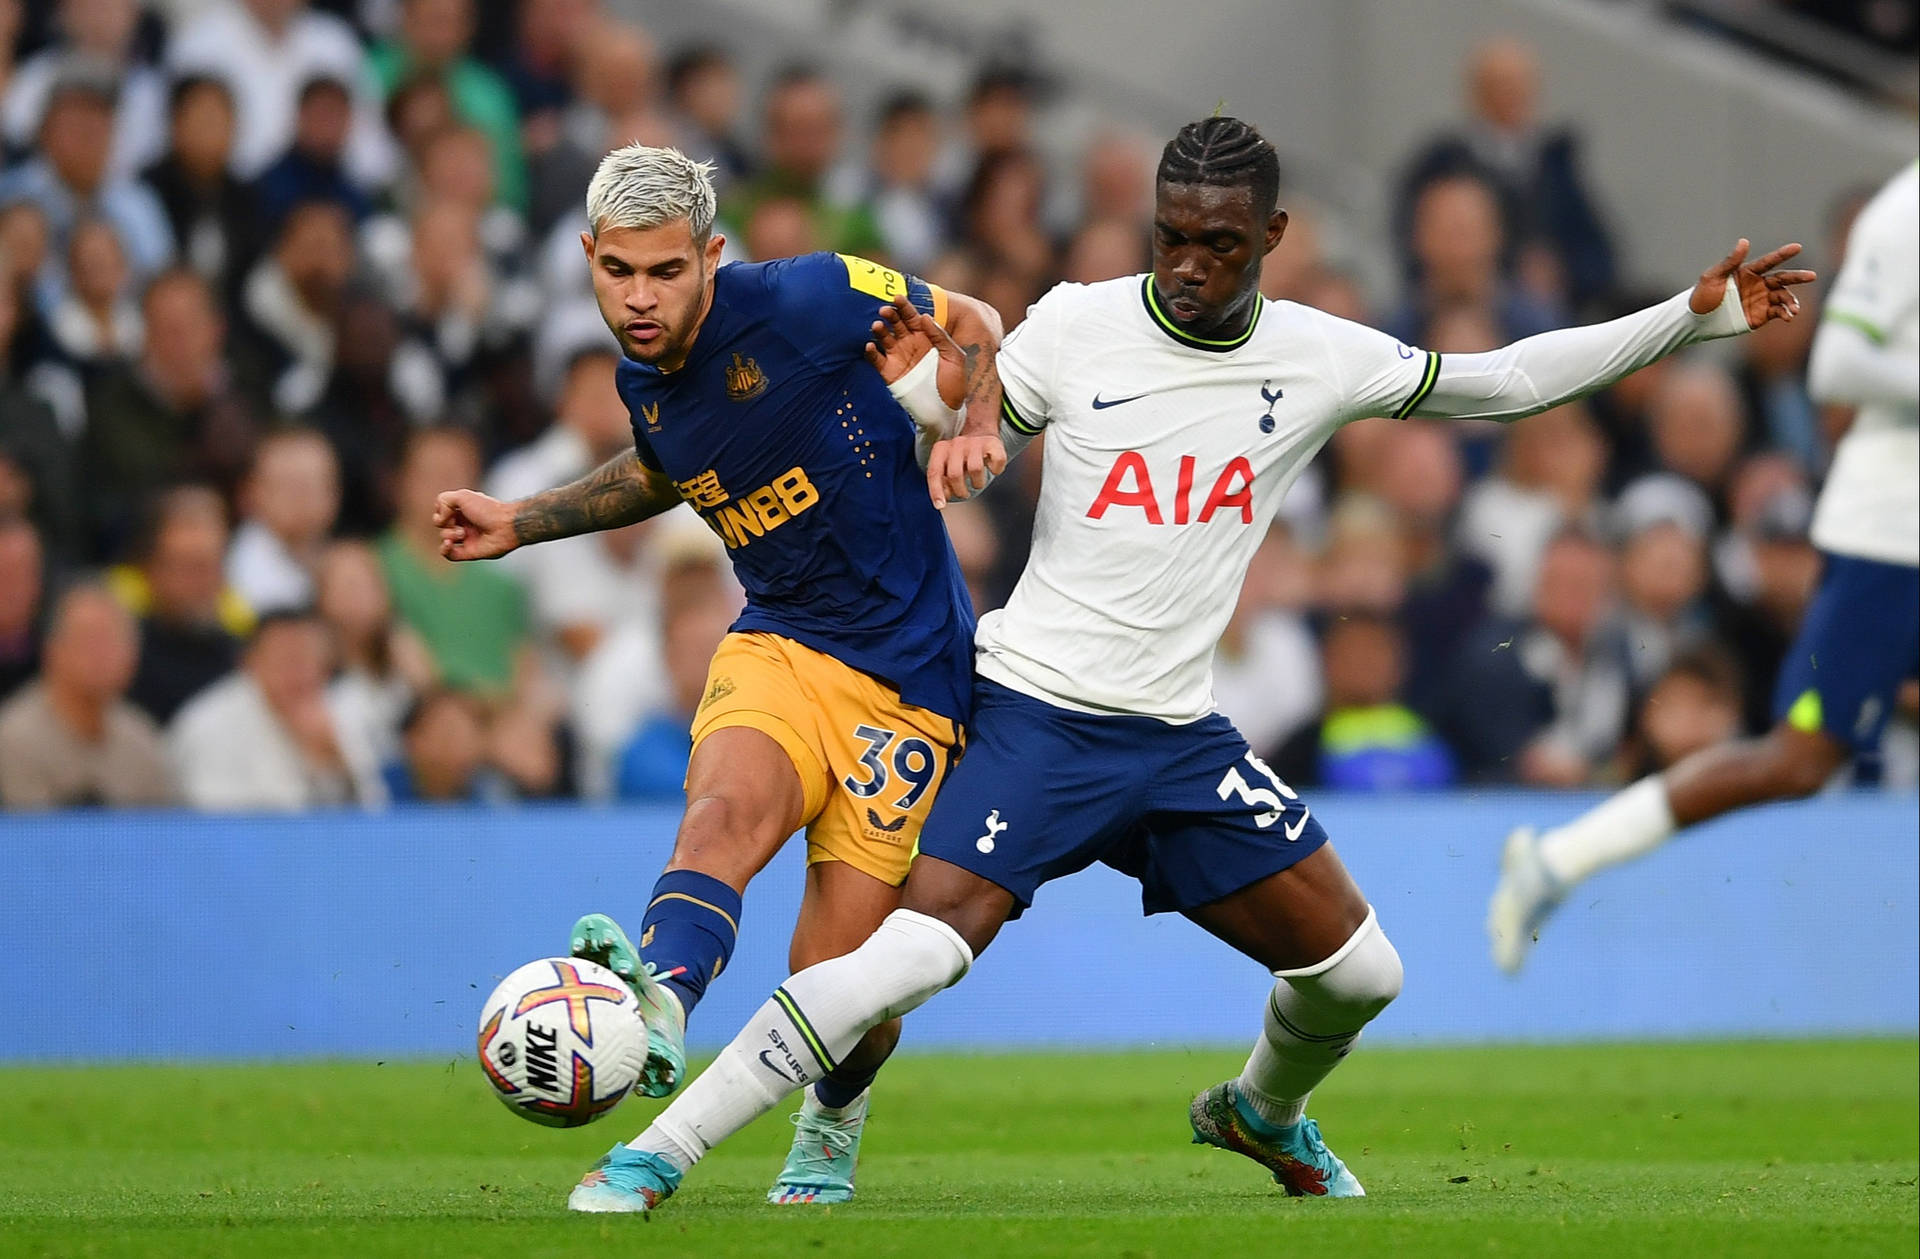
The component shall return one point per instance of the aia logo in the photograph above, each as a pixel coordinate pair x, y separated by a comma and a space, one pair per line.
1130, 484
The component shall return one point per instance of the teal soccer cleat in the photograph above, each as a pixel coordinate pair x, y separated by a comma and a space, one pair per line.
1300, 1161
825, 1152
599, 938
625, 1180
1525, 897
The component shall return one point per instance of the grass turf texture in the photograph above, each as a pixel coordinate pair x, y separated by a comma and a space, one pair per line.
1775, 1149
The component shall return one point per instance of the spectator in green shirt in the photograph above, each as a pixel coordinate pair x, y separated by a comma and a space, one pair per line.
803, 134
473, 617
433, 39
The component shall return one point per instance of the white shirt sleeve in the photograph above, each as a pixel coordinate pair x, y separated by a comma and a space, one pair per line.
1877, 283
1027, 359
1540, 372
1853, 359
1848, 366
1373, 373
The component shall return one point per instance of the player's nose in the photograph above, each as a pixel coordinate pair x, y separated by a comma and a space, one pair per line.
1190, 269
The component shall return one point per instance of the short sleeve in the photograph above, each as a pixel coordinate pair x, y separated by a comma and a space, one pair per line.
840, 295
1376, 374
1026, 362
644, 449
1876, 286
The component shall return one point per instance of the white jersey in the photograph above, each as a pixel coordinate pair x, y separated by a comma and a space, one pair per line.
1167, 458
1870, 505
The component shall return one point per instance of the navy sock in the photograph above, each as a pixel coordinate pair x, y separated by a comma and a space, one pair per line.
689, 931
836, 1090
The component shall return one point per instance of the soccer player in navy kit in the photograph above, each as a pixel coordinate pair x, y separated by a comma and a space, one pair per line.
836, 701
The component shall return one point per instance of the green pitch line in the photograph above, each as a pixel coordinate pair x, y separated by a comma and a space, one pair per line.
1693, 1150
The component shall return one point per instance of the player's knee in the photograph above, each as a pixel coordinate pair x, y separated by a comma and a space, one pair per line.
924, 948
724, 836
1359, 981
1797, 765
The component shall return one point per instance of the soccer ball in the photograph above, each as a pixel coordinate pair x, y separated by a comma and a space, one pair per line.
562, 1040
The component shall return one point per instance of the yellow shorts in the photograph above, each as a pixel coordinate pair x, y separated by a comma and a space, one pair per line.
869, 764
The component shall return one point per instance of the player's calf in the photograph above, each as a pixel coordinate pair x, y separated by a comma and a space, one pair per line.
1314, 1018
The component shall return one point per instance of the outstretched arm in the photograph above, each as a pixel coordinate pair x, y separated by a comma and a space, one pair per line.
622, 491
1540, 372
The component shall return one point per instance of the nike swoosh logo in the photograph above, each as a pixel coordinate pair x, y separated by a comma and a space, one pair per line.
1293, 833
1101, 404
775, 1068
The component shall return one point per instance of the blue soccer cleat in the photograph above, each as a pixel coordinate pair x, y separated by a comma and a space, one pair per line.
1300, 1161
599, 938
825, 1152
1522, 901
625, 1180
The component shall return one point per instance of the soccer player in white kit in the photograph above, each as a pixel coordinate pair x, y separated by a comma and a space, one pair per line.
1178, 408
1860, 638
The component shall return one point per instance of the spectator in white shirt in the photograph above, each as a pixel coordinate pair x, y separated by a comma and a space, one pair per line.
383, 664
68, 179
102, 31
268, 50
287, 508
1548, 478
1266, 670
266, 737
580, 588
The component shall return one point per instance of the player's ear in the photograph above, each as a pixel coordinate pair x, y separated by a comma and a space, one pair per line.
715, 243
586, 243
1276, 228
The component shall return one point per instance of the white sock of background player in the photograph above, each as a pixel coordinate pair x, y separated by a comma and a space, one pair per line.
1627, 825
810, 1023
1314, 1017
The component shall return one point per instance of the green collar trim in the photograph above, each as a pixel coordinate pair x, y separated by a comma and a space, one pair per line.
1166, 323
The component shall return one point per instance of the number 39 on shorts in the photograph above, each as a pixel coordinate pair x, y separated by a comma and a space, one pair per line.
912, 761
1271, 803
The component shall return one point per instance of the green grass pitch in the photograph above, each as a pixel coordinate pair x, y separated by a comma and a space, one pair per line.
1692, 1150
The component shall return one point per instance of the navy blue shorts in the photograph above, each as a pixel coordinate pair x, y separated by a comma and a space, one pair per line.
1043, 792
1860, 639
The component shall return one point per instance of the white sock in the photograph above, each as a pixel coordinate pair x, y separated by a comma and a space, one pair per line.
1314, 1017
1630, 824
812, 1021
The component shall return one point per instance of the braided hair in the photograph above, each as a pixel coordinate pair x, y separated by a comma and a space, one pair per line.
1225, 153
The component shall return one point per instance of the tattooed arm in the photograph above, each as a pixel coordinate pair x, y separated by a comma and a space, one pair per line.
962, 467
621, 491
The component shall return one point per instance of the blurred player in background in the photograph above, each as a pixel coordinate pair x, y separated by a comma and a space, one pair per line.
1860, 639
1178, 406
836, 701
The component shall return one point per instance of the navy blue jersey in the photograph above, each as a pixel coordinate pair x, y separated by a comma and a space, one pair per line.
788, 444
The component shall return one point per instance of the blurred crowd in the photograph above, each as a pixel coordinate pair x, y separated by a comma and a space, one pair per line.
278, 272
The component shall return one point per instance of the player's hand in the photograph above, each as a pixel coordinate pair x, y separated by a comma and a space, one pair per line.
473, 526
963, 466
902, 336
1765, 294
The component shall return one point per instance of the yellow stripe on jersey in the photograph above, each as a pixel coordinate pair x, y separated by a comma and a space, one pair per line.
868, 277
1018, 422
1427, 380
